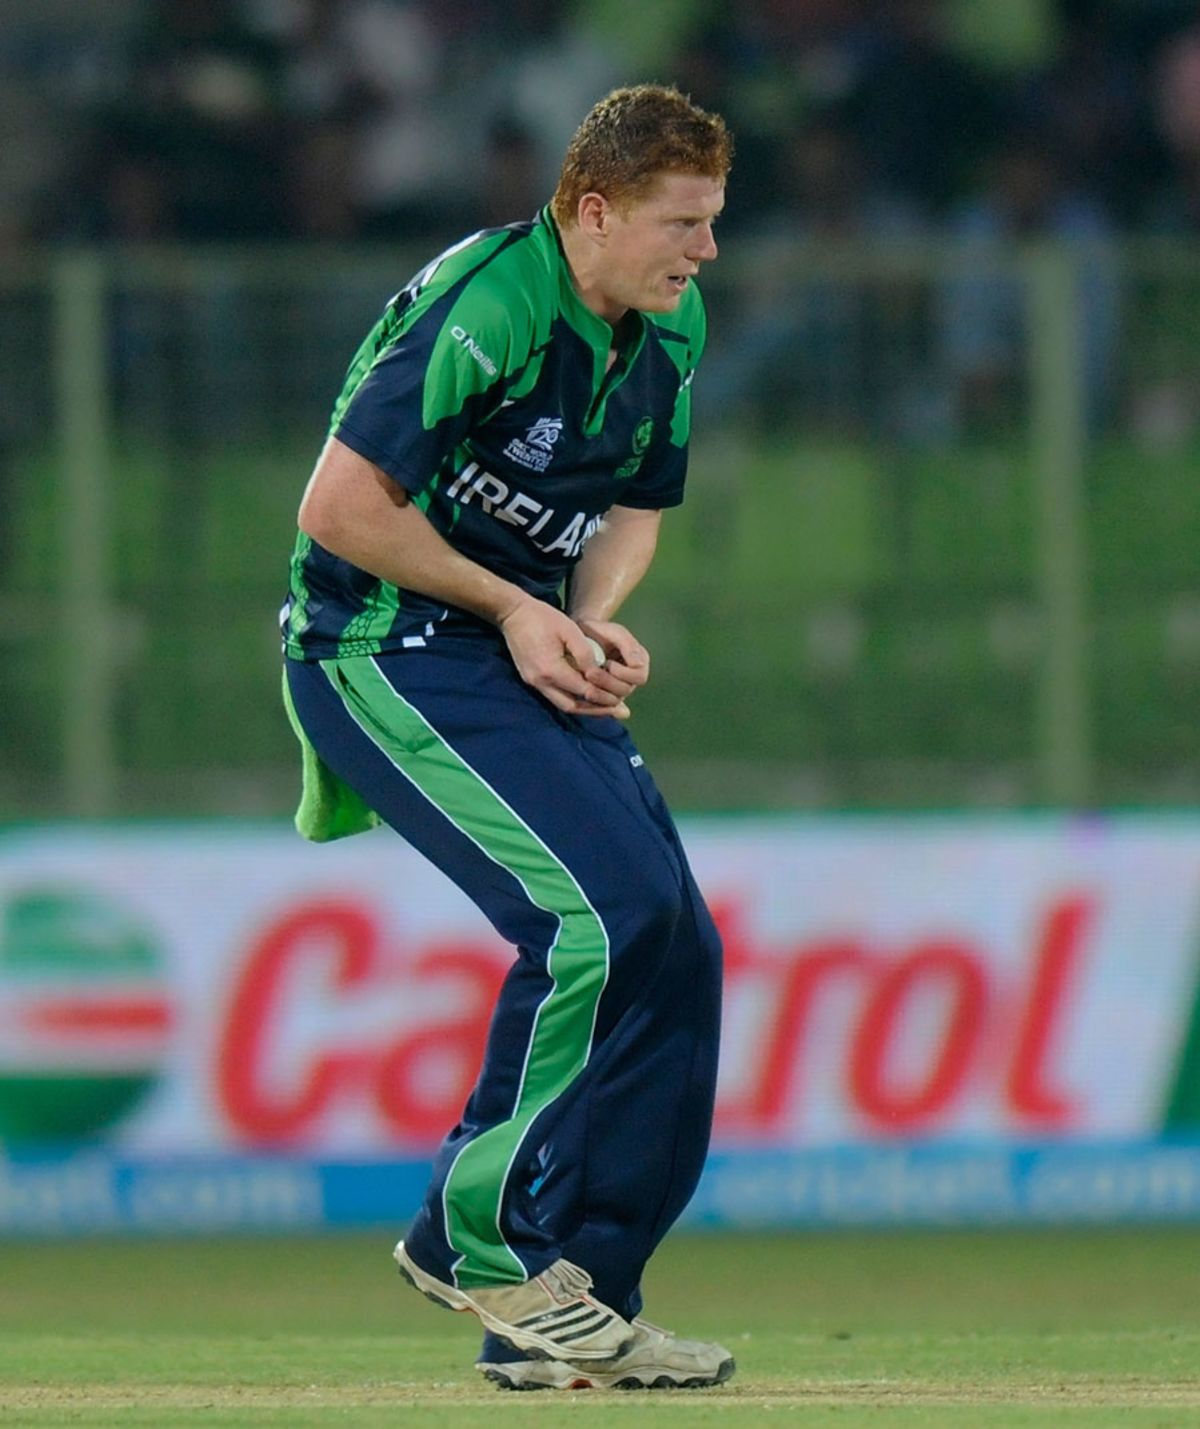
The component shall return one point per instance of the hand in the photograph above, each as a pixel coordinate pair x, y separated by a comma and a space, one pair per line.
550, 653
627, 666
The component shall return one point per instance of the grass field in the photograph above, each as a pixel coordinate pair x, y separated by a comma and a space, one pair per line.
1009, 1328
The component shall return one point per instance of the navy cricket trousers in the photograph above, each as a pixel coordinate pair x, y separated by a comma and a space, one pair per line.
587, 1130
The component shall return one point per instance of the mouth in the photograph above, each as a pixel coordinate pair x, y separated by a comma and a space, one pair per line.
678, 281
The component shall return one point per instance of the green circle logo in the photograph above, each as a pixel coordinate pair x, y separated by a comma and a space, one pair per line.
641, 442
85, 1016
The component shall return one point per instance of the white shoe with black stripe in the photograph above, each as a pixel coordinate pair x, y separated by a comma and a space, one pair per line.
656, 1360
551, 1317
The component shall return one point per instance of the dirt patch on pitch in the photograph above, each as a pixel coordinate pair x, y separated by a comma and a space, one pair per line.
1066, 1393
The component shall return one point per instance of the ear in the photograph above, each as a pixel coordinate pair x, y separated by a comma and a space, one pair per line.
593, 215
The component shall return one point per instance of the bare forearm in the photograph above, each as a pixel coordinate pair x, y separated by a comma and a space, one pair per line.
613, 563
361, 515
382, 532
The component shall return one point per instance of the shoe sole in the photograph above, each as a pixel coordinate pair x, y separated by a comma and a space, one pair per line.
529, 1342
665, 1380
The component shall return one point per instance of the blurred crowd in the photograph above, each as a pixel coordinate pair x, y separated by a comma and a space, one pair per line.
199, 120
857, 121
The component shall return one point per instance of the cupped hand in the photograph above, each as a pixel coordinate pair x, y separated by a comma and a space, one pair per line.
627, 661
553, 656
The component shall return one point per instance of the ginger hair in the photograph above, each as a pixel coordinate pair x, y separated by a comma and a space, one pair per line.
631, 137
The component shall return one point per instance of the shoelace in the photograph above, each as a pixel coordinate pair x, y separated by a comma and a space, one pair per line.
569, 1279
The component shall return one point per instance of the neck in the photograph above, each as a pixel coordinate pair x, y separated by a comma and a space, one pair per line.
585, 273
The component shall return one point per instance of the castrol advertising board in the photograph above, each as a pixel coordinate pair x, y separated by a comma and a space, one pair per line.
947, 1018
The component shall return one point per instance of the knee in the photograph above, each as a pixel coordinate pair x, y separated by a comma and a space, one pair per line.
710, 951
647, 914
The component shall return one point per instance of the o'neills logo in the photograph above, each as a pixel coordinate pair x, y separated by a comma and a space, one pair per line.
85, 1015
468, 343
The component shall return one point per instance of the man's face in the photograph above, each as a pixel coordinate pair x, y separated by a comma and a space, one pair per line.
654, 248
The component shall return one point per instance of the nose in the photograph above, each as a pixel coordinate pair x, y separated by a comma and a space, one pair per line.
704, 248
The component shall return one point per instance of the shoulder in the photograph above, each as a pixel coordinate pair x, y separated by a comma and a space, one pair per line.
510, 301
466, 260
494, 279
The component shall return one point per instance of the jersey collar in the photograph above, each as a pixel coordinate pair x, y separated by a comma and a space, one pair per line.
596, 333
589, 325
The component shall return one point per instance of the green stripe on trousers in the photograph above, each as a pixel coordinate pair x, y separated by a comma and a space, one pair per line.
577, 960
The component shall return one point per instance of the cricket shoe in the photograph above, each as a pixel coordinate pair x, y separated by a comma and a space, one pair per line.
550, 1316
656, 1360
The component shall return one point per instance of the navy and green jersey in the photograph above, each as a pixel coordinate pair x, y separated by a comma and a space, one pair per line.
485, 391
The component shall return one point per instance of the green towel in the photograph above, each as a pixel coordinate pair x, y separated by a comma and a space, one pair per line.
329, 809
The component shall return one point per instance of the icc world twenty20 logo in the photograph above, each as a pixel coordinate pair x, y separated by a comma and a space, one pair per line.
84, 1015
